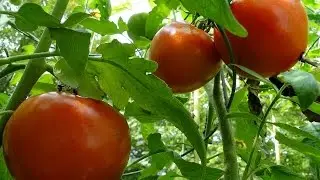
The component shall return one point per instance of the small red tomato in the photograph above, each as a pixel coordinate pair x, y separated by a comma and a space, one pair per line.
186, 56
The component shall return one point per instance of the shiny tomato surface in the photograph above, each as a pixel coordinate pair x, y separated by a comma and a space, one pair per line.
277, 35
186, 56
58, 136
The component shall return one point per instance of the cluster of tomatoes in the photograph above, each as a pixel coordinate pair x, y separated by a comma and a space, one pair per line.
277, 36
63, 136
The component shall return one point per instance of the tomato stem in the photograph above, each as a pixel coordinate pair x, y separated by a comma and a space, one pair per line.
229, 148
232, 60
210, 115
36, 56
35, 68
255, 142
10, 69
6, 112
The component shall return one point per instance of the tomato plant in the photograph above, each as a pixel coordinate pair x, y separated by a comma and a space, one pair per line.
165, 72
277, 35
186, 56
63, 136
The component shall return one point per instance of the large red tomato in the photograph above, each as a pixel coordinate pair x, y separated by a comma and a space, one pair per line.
186, 56
277, 35
61, 136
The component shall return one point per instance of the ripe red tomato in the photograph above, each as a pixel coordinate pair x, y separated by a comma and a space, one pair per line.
186, 56
277, 35
62, 136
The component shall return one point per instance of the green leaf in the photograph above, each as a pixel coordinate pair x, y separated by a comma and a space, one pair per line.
158, 162
100, 27
105, 9
193, 171
149, 92
85, 84
147, 129
299, 146
3, 99
280, 172
4, 172
315, 107
15, 2
115, 49
160, 157
305, 86
313, 128
155, 18
297, 131
109, 83
43, 85
122, 25
88, 87
245, 132
74, 47
75, 18
172, 4
154, 21
65, 74
238, 98
142, 115
31, 15
316, 73
169, 176
155, 144
219, 11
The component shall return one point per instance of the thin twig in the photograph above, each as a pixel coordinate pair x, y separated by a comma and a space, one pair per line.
206, 138
224, 88
6, 52
10, 69
263, 122
305, 60
232, 60
313, 44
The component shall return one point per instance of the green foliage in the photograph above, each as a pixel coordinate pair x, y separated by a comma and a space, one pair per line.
105, 58
30, 16
213, 9
16, 2
305, 85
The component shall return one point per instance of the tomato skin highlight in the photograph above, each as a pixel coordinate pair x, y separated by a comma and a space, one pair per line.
62, 136
186, 57
277, 35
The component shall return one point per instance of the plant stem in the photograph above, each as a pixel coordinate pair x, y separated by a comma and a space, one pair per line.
205, 139
263, 122
10, 69
229, 148
6, 112
224, 88
214, 156
143, 157
305, 60
209, 120
232, 60
34, 69
8, 13
36, 56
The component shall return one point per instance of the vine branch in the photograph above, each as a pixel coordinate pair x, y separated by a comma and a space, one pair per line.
229, 148
263, 122
34, 69
12, 59
232, 60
